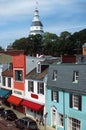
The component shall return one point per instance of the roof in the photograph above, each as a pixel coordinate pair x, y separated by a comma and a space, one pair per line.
4, 59
8, 73
64, 80
36, 23
37, 76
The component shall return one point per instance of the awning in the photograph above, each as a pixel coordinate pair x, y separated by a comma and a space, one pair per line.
4, 93
32, 105
14, 100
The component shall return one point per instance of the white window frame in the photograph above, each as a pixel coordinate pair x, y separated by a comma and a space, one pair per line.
54, 75
55, 96
4, 81
74, 124
40, 87
60, 120
30, 86
38, 67
9, 83
75, 101
75, 76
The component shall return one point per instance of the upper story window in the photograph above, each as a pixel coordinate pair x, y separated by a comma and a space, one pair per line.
40, 88
75, 76
55, 75
18, 75
38, 67
4, 81
30, 86
9, 82
55, 96
75, 101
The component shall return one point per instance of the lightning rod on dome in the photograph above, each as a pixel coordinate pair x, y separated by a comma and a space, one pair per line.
36, 4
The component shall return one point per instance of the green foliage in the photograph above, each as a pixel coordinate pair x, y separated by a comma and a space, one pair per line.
51, 44
1, 49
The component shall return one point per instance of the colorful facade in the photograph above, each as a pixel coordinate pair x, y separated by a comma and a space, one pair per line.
66, 96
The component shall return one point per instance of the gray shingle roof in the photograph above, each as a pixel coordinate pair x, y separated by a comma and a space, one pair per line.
37, 76
65, 77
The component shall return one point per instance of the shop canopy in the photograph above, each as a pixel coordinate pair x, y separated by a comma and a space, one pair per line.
4, 93
14, 100
32, 105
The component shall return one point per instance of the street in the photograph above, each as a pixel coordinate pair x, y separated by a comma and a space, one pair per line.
7, 125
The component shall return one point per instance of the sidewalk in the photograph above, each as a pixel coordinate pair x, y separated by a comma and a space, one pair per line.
45, 128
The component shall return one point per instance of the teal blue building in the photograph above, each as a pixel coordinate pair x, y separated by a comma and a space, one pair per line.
66, 96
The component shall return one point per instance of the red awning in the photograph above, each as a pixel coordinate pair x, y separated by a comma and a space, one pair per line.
14, 100
32, 105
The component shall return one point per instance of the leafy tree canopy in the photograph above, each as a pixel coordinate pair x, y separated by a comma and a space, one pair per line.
52, 44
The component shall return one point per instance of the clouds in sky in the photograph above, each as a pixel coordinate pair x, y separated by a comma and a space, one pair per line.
56, 15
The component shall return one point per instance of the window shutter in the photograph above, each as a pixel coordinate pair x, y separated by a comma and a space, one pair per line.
80, 103
70, 101
57, 96
51, 95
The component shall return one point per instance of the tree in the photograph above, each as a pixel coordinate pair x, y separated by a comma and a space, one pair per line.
50, 44
35, 44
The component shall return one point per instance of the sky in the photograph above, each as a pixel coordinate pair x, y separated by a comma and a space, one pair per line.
56, 16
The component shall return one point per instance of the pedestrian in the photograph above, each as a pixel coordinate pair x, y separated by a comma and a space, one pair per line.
41, 120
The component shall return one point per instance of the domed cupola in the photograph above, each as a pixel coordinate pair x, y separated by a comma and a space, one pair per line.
36, 26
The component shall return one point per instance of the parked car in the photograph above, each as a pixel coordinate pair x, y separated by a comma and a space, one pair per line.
1, 109
26, 123
9, 115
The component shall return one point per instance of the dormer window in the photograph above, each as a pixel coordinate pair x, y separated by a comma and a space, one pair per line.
55, 75
38, 67
75, 76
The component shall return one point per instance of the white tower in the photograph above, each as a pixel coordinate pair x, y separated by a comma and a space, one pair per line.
36, 26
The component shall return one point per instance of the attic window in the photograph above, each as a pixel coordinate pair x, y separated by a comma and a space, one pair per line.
38, 67
75, 76
55, 75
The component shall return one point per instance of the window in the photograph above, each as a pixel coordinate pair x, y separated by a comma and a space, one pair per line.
55, 75
74, 124
38, 67
60, 120
18, 75
40, 87
75, 101
4, 81
0, 79
30, 86
9, 82
75, 76
55, 96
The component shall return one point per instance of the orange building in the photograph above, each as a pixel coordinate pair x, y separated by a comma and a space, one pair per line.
84, 49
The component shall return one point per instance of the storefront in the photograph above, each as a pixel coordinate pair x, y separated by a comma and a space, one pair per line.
15, 102
33, 109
